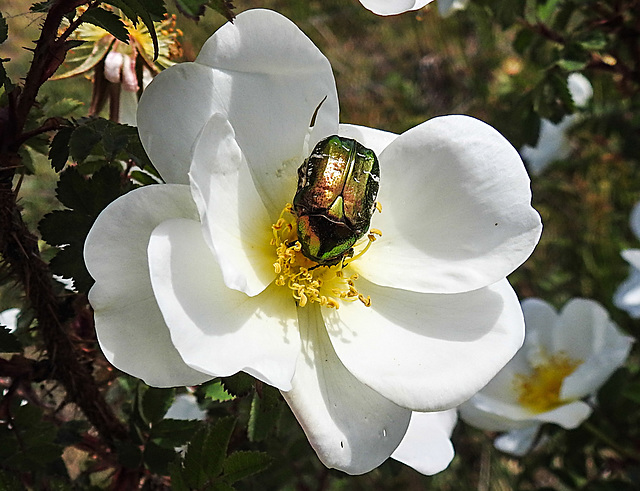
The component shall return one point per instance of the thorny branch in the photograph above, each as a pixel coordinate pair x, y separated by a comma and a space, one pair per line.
19, 247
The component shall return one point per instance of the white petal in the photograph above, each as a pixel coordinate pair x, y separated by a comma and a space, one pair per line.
374, 139
634, 219
569, 416
580, 89
490, 414
9, 319
427, 446
236, 223
456, 209
582, 329
113, 66
448, 7
218, 330
272, 78
427, 352
541, 321
351, 427
129, 325
609, 350
393, 7
517, 442
627, 296
632, 256
185, 407
552, 145
171, 113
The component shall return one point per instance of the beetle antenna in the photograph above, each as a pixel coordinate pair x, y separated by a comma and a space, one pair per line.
305, 148
315, 113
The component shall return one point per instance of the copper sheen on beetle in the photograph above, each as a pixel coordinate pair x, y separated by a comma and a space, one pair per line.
335, 199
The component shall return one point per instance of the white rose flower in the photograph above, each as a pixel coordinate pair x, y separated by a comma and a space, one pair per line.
203, 277
566, 357
553, 143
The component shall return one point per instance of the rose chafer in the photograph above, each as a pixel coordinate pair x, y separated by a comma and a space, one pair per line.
335, 199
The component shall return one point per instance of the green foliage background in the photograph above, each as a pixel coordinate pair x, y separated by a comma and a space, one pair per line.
503, 61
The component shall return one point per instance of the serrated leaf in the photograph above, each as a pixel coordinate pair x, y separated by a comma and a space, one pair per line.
173, 433
215, 446
178, 482
147, 11
8, 342
41, 6
217, 392
84, 139
243, 464
99, 50
224, 8
157, 459
108, 21
194, 9
265, 412
238, 384
59, 148
155, 403
69, 228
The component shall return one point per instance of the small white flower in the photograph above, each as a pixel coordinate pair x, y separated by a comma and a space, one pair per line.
185, 406
448, 7
627, 296
9, 318
202, 277
393, 7
553, 143
566, 358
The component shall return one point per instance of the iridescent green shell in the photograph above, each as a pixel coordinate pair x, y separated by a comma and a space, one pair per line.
336, 197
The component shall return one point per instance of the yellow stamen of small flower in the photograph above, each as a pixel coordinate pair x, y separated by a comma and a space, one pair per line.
309, 281
540, 390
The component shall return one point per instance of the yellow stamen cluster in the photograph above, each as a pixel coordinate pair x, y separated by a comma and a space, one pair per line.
308, 280
540, 390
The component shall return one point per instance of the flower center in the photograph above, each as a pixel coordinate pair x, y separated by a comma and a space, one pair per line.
540, 390
310, 281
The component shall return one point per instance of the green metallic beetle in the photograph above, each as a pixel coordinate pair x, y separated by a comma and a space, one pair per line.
336, 196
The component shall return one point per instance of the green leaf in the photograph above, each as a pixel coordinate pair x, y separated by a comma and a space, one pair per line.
69, 228
173, 433
157, 458
155, 403
217, 392
224, 8
206, 453
194, 9
108, 21
148, 11
8, 342
98, 52
243, 464
41, 6
239, 384
266, 409
59, 148
215, 446
178, 482
85, 138
572, 65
